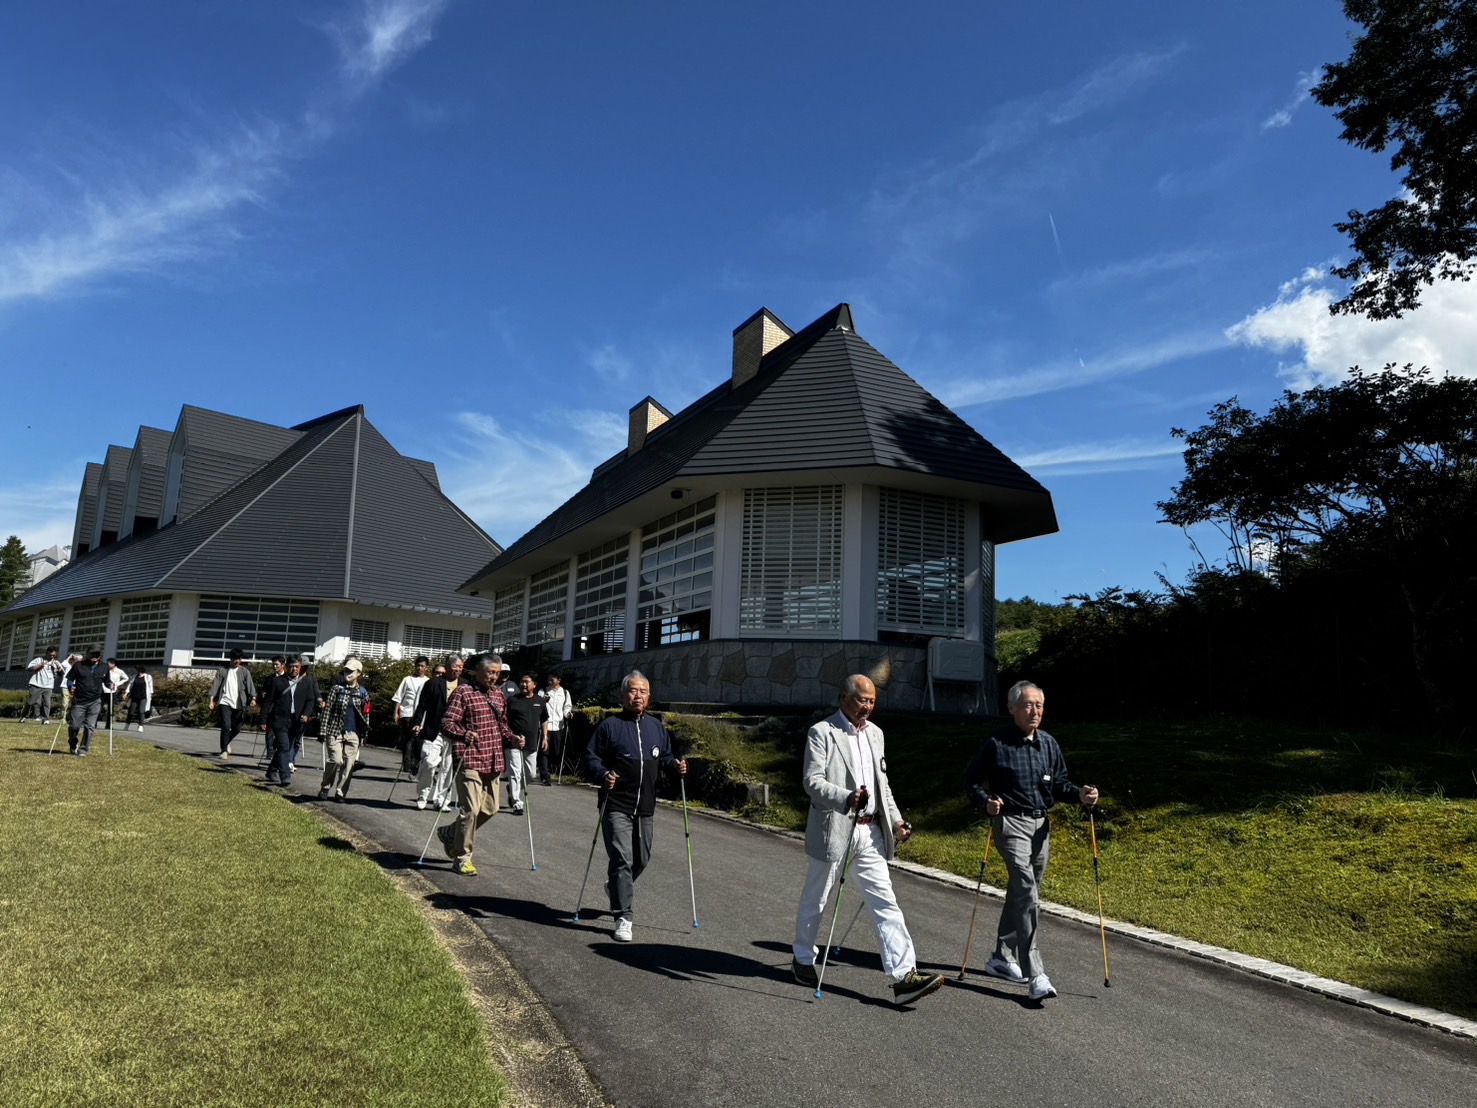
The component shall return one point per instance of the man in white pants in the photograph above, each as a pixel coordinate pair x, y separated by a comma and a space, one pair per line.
433, 779
846, 772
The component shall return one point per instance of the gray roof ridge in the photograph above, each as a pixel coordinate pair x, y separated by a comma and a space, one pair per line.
198, 547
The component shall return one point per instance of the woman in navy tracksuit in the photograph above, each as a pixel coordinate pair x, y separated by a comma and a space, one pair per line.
624, 757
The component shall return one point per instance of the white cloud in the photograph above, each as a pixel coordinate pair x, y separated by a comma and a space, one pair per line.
530, 469
100, 217
1300, 96
967, 391
609, 363
40, 512
1441, 334
1099, 457
382, 35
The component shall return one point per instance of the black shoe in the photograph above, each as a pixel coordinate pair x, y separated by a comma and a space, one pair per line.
804, 974
916, 986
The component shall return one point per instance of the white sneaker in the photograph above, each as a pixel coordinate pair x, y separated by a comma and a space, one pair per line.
421, 803
1005, 970
1040, 987
623, 932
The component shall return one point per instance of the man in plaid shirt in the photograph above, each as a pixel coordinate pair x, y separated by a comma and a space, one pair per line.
477, 720
1017, 775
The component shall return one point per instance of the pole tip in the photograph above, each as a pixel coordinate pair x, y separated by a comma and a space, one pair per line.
817, 994
694, 923
534, 868
1107, 984
961, 976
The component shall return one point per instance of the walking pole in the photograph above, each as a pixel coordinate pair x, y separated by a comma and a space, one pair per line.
57, 733
687, 830
599, 815
842, 944
110, 719
528, 815
398, 774
861, 800
984, 861
435, 822
1097, 881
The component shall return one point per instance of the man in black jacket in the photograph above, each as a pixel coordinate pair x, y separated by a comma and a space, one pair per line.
625, 754
291, 698
85, 680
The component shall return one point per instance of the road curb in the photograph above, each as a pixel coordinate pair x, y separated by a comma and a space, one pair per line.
1261, 967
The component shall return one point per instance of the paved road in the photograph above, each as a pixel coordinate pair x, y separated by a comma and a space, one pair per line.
710, 1016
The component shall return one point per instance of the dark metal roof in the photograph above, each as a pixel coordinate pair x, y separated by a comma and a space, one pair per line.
823, 400
113, 487
92, 477
150, 461
427, 470
325, 519
221, 450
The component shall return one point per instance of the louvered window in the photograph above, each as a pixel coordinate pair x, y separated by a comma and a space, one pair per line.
600, 597
89, 628
790, 580
507, 616
369, 638
920, 563
142, 628
7, 636
484, 642
548, 602
259, 626
20, 643
431, 640
49, 633
677, 575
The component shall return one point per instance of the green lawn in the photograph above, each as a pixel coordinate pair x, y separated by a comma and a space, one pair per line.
173, 935
1352, 856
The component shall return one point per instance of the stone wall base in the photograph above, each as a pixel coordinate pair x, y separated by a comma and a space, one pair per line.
778, 673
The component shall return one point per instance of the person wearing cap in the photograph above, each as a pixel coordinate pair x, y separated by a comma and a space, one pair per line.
45, 673
232, 692
854, 820
345, 723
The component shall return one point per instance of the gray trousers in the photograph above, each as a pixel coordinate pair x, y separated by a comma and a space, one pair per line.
1025, 844
82, 723
39, 706
628, 844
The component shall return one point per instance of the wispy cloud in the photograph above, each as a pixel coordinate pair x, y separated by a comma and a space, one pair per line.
525, 471
1132, 270
99, 217
1300, 96
1100, 457
1441, 335
39, 511
967, 391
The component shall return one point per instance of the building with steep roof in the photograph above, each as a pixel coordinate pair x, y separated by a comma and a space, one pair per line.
231, 533
816, 514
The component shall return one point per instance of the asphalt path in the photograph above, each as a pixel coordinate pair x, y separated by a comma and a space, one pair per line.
710, 1016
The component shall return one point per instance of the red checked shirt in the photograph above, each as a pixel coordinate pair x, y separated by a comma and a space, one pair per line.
471, 709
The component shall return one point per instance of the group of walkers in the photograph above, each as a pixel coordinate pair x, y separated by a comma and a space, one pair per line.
470, 733
89, 687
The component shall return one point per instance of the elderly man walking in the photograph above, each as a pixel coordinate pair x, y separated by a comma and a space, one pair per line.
626, 753
344, 725
476, 721
1019, 773
853, 813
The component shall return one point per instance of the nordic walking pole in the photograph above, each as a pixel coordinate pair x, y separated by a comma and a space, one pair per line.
599, 815
1097, 881
395, 782
58, 732
528, 815
435, 822
110, 719
861, 801
847, 934
687, 830
984, 861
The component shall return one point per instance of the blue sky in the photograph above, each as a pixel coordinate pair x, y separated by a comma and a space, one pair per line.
498, 226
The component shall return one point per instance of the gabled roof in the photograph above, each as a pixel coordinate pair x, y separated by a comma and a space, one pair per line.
324, 519
222, 449
92, 477
150, 460
823, 401
112, 487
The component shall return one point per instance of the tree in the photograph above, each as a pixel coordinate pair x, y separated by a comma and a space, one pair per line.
1410, 80
14, 569
1373, 479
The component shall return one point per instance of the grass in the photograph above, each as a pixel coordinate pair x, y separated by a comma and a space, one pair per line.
173, 936
1352, 856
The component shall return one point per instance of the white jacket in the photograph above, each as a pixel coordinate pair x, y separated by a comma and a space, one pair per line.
830, 776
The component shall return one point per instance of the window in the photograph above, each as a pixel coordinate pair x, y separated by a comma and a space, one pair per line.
7, 636
920, 563
259, 626
484, 642
790, 580
142, 628
987, 596
507, 616
431, 640
89, 628
369, 638
676, 587
20, 644
548, 601
49, 633
600, 597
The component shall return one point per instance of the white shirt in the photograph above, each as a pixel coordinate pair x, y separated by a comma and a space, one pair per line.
861, 751
559, 707
409, 694
231, 687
